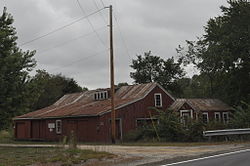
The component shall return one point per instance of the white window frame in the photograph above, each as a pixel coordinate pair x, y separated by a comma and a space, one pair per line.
156, 94
101, 95
217, 113
187, 111
58, 130
225, 113
205, 113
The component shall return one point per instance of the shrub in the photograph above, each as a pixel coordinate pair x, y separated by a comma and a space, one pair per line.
169, 126
194, 131
241, 117
144, 133
6, 136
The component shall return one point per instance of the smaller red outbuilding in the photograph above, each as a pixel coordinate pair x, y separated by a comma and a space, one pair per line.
207, 109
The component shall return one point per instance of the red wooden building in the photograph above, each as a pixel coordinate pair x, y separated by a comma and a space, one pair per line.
88, 114
208, 109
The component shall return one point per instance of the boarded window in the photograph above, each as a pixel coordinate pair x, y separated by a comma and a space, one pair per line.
58, 126
158, 100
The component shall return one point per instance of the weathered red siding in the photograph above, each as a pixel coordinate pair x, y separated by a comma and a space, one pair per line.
93, 129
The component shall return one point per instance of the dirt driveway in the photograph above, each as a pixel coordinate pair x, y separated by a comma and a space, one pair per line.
138, 155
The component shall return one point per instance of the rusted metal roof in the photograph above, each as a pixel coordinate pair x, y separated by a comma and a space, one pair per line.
201, 105
84, 104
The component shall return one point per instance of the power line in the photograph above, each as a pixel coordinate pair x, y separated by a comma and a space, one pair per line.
102, 3
60, 28
92, 26
79, 60
69, 41
120, 32
123, 40
103, 18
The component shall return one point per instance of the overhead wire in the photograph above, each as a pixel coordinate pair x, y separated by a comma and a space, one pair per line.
91, 25
97, 7
69, 41
102, 3
62, 27
79, 60
120, 32
123, 40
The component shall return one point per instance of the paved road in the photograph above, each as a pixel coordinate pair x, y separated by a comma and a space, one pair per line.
239, 158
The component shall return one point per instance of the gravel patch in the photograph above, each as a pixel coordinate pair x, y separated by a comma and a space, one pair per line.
143, 155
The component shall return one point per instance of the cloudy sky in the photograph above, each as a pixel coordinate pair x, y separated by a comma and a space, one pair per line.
80, 51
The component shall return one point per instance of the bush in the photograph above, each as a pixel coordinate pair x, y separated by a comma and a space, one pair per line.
194, 131
6, 136
241, 117
169, 127
213, 125
144, 133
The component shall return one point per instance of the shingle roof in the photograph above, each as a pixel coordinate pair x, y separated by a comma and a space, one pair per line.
83, 104
201, 105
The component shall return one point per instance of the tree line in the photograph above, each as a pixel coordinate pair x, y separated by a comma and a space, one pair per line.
19, 92
221, 55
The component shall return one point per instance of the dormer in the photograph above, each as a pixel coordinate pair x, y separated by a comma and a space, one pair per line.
101, 95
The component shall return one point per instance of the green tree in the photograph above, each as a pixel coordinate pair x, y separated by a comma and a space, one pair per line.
150, 68
15, 65
122, 84
196, 87
50, 88
223, 53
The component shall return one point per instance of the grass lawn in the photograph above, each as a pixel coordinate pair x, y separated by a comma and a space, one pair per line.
66, 157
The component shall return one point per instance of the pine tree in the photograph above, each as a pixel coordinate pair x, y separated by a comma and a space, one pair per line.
15, 65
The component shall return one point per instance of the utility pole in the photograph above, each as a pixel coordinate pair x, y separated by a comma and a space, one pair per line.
112, 92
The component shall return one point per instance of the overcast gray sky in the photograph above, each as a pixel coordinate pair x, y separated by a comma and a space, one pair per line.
80, 53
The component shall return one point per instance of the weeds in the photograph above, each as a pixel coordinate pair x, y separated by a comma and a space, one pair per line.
28, 156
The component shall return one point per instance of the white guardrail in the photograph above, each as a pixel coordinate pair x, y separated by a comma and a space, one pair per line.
226, 132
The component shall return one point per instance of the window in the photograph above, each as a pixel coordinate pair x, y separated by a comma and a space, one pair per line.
205, 117
185, 119
101, 95
225, 117
58, 126
158, 100
186, 116
217, 116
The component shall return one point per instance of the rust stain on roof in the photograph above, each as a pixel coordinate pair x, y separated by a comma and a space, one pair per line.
202, 104
84, 104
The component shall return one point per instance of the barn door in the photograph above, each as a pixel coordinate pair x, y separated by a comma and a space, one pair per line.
84, 133
21, 130
118, 126
118, 129
72, 128
35, 129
